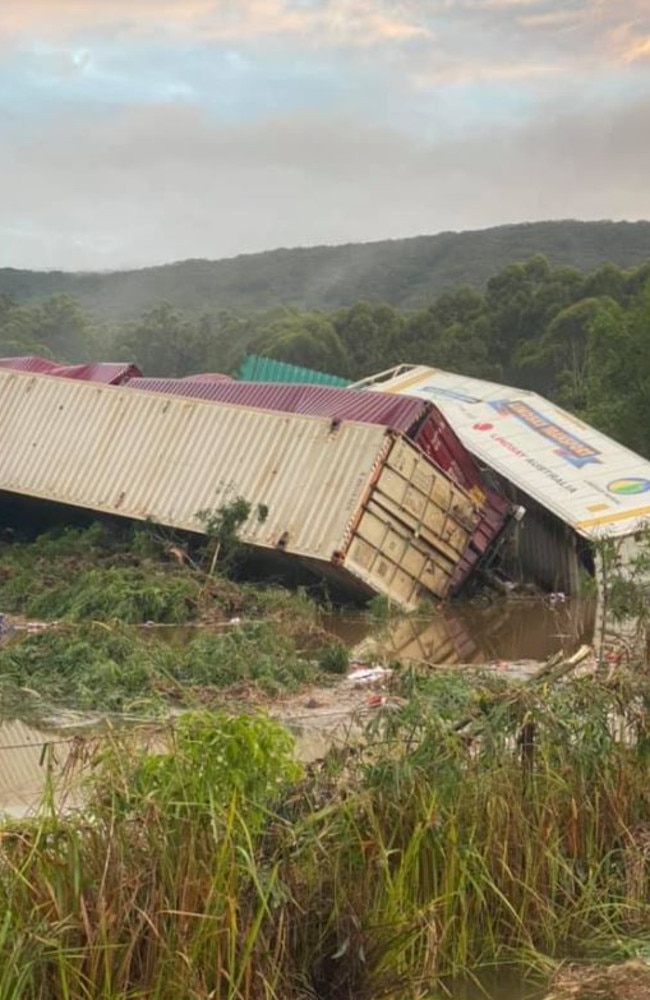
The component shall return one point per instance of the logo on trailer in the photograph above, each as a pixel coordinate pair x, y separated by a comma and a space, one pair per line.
571, 448
628, 487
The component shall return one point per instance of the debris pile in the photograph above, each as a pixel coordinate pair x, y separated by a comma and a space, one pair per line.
625, 981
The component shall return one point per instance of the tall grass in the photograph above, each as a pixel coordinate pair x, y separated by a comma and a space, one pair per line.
478, 824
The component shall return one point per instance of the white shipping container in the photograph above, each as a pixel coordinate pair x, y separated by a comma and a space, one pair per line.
352, 500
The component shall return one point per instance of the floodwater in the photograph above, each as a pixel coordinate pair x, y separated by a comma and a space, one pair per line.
31, 760
498, 985
509, 631
512, 635
505, 631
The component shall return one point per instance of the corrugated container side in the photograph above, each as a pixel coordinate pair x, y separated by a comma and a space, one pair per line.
257, 369
413, 529
206, 377
398, 412
107, 372
421, 420
28, 363
110, 373
441, 444
142, 455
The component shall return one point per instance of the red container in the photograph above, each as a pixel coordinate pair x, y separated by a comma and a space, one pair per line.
28, 363
106, 372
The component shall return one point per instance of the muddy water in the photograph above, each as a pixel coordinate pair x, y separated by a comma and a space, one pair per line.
32, 761
497, 986
513, 630
508, 630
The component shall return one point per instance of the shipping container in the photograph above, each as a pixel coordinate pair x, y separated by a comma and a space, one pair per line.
258, 369
28, 363
420, 420
110, 373
577, 484
353, 501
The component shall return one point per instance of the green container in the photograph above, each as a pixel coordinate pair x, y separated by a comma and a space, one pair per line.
256, 369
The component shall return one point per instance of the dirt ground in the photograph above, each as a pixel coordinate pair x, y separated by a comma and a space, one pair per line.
625, 981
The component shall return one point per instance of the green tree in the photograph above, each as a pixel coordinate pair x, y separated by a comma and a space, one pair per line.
308, 339
371, 336
64, 328
561, 357
619, 390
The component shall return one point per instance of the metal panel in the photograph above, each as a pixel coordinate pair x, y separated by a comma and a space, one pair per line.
142, 455
111, 373
28, 363
23, 768
206, 377
422, 421
595, 485
544, 549
400, 413
413, 530
257, 369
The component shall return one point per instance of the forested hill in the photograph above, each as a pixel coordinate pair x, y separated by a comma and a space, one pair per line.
405, 273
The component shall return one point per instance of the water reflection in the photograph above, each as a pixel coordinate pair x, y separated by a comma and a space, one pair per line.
472, 633
500, 985
31, 760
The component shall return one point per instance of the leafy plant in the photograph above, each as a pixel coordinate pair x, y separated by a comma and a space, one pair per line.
222, 526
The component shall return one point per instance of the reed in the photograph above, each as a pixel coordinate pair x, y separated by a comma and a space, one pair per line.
487, 825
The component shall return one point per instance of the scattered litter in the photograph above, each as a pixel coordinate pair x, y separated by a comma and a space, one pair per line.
364, 676
38, 626
234, 621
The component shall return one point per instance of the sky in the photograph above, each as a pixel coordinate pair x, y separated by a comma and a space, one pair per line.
136, 132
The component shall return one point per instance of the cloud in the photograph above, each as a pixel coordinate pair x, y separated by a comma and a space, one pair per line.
345, 22
140, 130
639, 50
166, 183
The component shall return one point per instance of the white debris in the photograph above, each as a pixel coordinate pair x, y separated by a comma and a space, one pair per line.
363, 676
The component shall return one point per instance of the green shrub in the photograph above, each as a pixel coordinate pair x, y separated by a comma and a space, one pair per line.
126, 594
334, 657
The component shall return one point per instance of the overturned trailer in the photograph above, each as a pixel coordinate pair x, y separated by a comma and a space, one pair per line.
419, 420
576, 484
356, 502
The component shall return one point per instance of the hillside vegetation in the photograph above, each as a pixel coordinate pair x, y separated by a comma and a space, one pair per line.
582, 340
404, 273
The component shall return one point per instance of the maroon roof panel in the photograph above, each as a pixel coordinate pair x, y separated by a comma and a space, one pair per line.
207, 377
110, 373
400, 413
28, 363
107, 372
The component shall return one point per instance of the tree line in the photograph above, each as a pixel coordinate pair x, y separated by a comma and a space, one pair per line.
582, 340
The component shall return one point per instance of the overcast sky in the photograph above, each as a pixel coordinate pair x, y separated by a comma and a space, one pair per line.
142, 131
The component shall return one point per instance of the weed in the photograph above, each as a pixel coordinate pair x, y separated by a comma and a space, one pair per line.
108, 668
333, 657
126, 594
257, 653
109, 572
222, 528
446, 842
